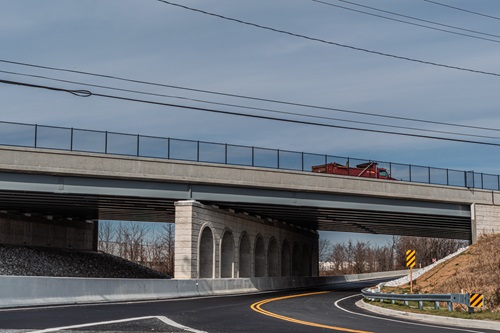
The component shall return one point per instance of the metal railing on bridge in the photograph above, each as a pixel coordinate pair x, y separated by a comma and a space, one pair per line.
83, 140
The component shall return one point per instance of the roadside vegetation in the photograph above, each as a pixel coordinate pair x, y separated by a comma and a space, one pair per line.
476, 270
140, 243
363, 257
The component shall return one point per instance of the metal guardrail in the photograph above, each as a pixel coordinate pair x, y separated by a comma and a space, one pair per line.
374, 294
73, 139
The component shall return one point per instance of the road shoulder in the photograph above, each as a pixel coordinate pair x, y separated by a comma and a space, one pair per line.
430, 319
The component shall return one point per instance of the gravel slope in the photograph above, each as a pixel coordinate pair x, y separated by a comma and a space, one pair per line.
30, 261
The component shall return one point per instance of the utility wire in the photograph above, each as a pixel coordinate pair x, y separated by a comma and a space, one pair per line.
330, 42
463, 10
249, 107
249, 97
86, 93
412, 18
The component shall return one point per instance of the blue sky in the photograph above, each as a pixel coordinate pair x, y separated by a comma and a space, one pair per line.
152, 41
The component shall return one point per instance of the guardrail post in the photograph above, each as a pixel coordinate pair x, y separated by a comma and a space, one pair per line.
420, 305
436, 305
450, 306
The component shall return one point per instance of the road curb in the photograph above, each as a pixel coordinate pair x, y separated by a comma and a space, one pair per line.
430, 319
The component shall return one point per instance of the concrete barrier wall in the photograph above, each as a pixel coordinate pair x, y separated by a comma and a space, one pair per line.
20, 291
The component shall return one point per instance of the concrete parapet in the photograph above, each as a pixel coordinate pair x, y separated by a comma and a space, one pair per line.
20, 291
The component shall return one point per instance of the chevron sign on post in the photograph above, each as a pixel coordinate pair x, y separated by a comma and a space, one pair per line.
475, 301
411, 260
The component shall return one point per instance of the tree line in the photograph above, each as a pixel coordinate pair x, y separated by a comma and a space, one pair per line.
140, 243
363, 257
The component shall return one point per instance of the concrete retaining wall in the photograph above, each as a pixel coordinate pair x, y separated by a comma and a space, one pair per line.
21, 291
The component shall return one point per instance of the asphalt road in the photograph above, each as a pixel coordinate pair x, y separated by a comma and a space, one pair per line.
319, 310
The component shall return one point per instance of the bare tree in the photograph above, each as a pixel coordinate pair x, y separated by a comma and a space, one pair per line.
338, 257
361, 257
169, 239
107, 234
131, 239
325, 247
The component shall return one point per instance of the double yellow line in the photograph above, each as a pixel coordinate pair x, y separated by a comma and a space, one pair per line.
257, 307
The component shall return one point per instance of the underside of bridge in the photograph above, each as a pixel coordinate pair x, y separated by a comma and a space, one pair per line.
132, 208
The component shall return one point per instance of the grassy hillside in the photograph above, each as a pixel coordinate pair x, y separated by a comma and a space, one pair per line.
475, 270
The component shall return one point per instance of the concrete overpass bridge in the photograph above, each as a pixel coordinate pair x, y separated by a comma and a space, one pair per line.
260, 219
231, 221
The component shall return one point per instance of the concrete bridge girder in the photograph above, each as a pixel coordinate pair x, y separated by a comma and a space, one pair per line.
214, 243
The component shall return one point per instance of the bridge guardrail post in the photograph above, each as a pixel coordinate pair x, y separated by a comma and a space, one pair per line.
36, 135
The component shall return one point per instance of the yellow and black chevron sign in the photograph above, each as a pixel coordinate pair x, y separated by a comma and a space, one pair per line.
476, 300
411, 258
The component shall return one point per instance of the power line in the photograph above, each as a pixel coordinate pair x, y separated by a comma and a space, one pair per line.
248, 107
330, 42
249, 97
463, 10
86, 93
413, 18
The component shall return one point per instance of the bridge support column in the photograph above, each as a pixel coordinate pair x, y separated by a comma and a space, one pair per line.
48, 232
215, 243
485, 220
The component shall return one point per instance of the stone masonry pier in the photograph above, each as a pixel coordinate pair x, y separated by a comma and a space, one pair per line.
214, 243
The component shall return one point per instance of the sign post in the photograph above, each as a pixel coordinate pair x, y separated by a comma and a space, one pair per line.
411, 260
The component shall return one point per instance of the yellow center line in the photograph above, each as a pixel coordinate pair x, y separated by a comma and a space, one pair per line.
257, 307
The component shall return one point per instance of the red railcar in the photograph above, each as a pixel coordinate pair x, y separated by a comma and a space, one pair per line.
368, 170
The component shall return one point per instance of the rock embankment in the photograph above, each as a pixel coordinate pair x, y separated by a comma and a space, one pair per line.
31, 261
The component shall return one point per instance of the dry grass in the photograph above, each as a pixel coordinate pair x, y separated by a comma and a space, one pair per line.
477, 270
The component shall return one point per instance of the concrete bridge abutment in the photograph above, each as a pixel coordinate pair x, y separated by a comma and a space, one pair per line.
485, 220
48, 232
216, 243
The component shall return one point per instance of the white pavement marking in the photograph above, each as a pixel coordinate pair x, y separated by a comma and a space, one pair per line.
161, 318
399, 321
173, 323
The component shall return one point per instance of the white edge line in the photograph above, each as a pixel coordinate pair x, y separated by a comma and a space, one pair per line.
173, 323
161, 318
399, 321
